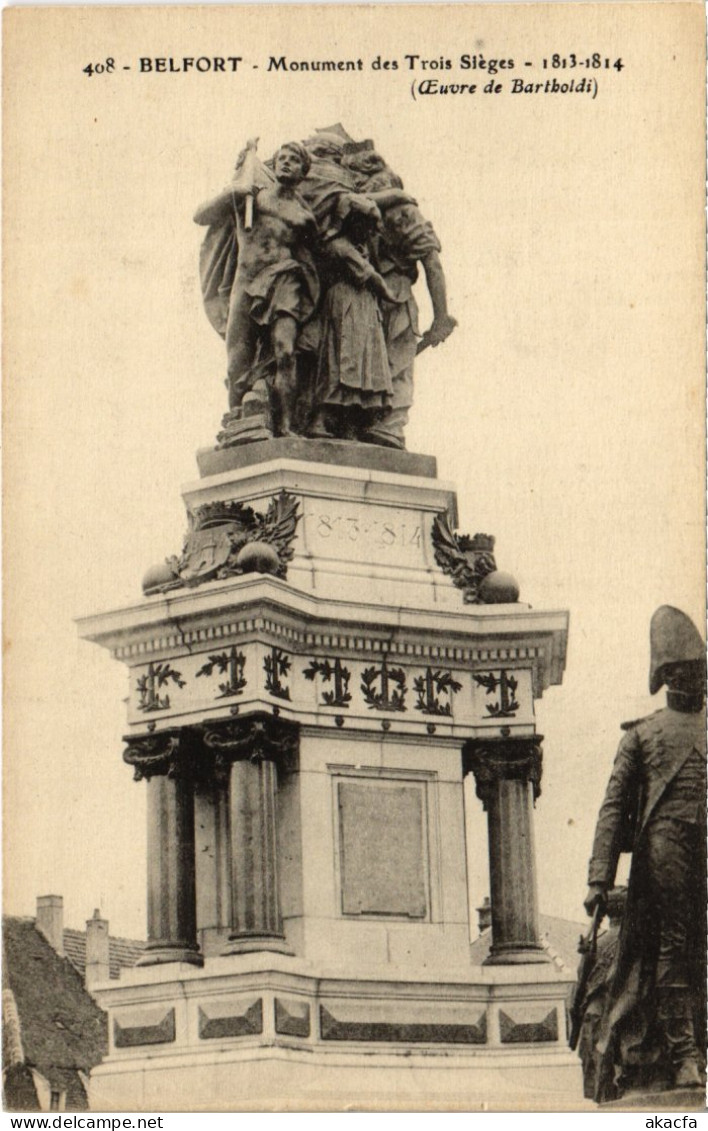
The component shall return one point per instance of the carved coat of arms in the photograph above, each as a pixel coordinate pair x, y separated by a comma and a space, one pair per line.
230, 538
467, 560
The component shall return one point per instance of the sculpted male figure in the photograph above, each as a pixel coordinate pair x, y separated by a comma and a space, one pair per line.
655, 808
275, 287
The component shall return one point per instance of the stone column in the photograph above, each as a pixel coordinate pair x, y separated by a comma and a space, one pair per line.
172, 919
213, 859
508, 777
250, 748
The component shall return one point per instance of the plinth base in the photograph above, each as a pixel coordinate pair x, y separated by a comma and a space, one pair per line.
341, 453
252, 945
674, 1099
517, 957
289, 1080
271, 1032
161, 955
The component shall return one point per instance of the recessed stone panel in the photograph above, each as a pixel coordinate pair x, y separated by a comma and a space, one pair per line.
383, 848
428, 1023
230, 1018
136, 1027
526, 1023
292, 1018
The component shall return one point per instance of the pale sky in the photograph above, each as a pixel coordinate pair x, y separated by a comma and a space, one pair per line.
566, 408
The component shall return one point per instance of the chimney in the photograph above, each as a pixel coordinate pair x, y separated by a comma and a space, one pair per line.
97, 959
50, 920
484, 915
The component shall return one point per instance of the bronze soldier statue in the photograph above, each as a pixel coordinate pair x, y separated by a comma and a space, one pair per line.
651, 1032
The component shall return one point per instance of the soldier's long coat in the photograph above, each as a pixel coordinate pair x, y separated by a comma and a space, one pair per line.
649, 758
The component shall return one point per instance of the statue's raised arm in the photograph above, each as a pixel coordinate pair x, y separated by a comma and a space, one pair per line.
271, 283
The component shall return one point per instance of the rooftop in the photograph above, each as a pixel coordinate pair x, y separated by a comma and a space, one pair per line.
559, 937
62, 1030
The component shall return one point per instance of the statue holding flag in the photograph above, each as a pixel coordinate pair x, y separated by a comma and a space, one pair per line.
275, 285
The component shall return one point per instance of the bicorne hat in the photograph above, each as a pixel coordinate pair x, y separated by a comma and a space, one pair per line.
674, 639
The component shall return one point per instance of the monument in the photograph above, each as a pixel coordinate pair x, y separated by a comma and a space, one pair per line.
311, 680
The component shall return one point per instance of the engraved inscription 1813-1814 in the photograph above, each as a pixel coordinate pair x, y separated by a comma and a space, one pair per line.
380, 534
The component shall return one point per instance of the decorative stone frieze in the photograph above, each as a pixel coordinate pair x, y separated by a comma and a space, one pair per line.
230, 664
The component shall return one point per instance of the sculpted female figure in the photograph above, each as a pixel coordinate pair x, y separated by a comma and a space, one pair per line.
353, 387
405, 240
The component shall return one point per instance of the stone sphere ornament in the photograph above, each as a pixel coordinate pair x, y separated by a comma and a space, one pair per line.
499, 588
258, 557
157, 576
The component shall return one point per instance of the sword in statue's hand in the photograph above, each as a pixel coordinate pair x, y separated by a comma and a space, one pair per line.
438, 332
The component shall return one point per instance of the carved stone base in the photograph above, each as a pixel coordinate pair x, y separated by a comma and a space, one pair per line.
253, 944
158, 954
516, 956
263, 1032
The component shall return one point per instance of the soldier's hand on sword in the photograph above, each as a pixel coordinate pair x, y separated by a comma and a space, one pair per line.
596, 896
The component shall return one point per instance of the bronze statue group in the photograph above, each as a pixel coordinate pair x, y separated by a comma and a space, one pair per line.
307, 272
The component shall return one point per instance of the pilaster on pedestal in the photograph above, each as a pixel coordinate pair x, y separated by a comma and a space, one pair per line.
247, 750
507, 773
172, 917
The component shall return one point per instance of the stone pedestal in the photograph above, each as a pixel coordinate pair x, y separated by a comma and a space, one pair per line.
325, 718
